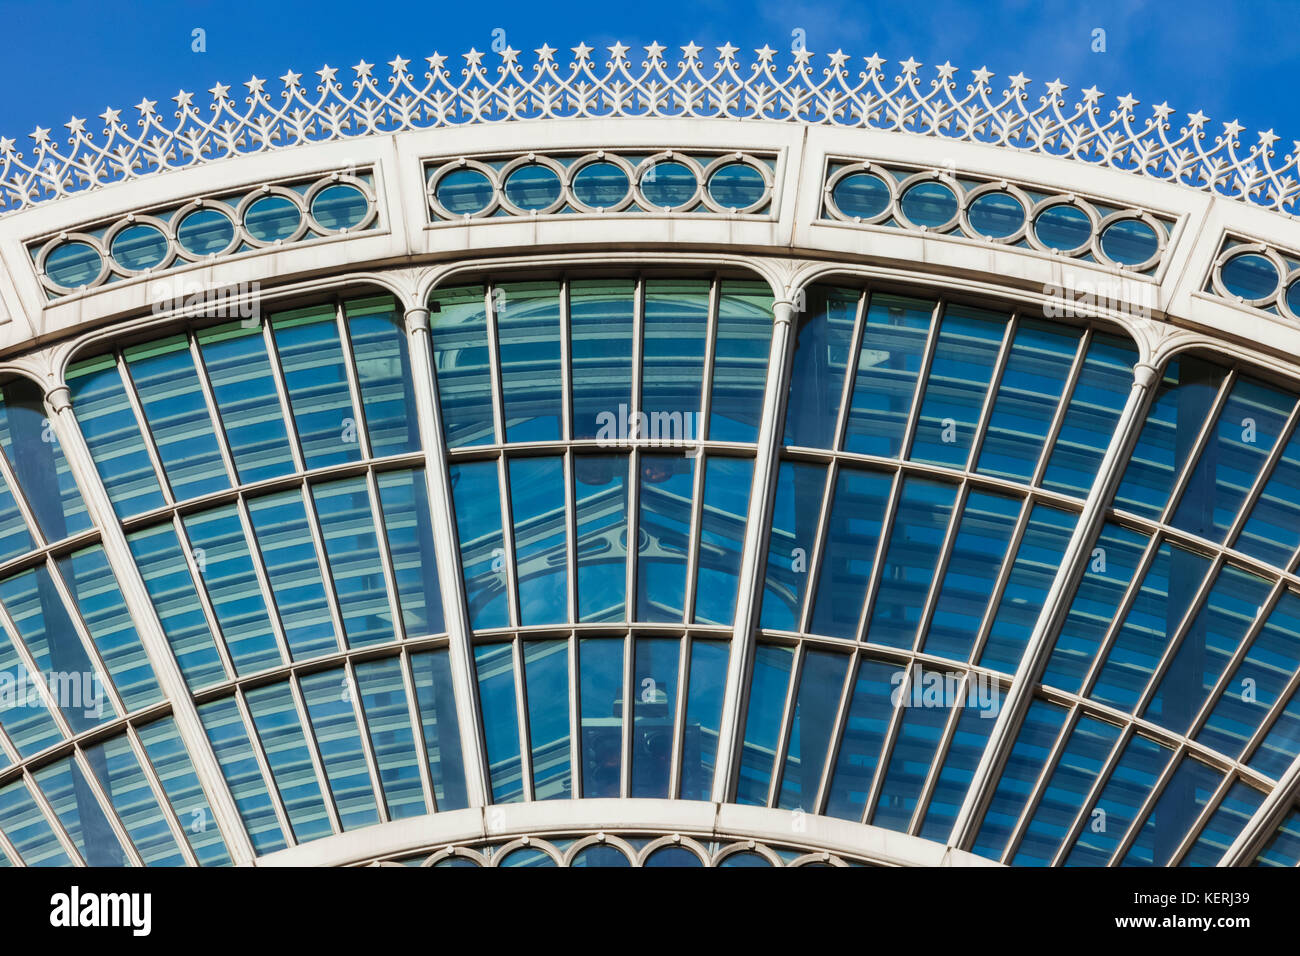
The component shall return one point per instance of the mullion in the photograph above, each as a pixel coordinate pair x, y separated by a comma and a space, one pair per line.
413, 716
106, 807
282, 392
1211, 807
836, 739
1062, 407
882, 550
264, 766
1262, 479
787, 721
525, 727
941, 565
214, 411
1140, 817
258, 562
911, 672
940, 757
354, 385
1004, 576
991, 396
322, 563
494, 361
142, 424
1126, 734
1131, 593
819, 545
52, 819
850, 372
922, 380
679, 715
160, 795
1203, 438
363, 732
1072, 720
89, 647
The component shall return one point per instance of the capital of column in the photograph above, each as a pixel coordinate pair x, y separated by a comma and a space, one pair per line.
59, 398
417, 320
783, 311
1145, 375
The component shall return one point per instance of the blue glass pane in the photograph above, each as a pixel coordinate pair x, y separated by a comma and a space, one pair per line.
1283, 847
893, 348
113, 436
654, 708
1272, 532
73, 264
127, 788
601, 332
601, 856
463, 192
980, 547
405, 501
83, 819
23, 823
672, 359
227, 572
272, 219
600, 491
926, 710
205, 232
995, 214
1099, 395
1031, 386
821, 356
821, 682
431, 675
1037, 560
916, 537
1258, 681
92, 585
377, 334
740, 349
1235, 600
667, 183
601, 704
162, 565
850, 551
533, 186
1042, 723
929, 204
311, 355
234, 752
861, 195
600, 185
1063, 227
1249, 276
40, 467
792, 538
964, 356
1129, 241
969, 739
722, 536
1178, 413
171, 762
540, 529
525, 856
348, 529
546, 676
664, 533
864, 734
482, 549
675, 856
745, 859
1249, 425
1161, 602
284, 539
275, 717
1134, 776
737, 185
388, 724
767, 691
1236, 810
458, 324
249, 406
496, 691
1111, 566
1086, 750
706, 685
1176, 809
177, 415
528, 340
329, 699
340, 207
1282, 742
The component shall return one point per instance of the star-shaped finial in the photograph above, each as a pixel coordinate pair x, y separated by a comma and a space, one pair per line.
945, 70
655, 50
1126, 103
874, 62
982, 76
6, 145
727, 51
910, 66
290, 79
220, 92
1092, 94
146, 106
1056, 88
326, 74
509, 54
183, 100
1162, 110
1019, 81
1197, 119
399, 64
765, 54
1232, 128
473, 58
545, 53
111, 117
436, 61
76, 126
691, 51
837, 59
363, 69
41, 135
1268, 138
255, 85
618, 51
581, 51
802, 56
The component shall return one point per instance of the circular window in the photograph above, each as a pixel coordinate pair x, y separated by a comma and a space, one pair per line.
668, 184
533, 186
601, 185
996, 215
456, 862
673, 856
1129, 241
204, 232
464, 192
1293, 297
526, 856
745, 858
73, 264
340, 207
272, 218
139, 247
597, 855
1063, 226
737, 186
1250, 276
861, 195
930, 204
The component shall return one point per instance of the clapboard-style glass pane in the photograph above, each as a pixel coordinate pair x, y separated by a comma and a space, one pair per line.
115, 766
792, 537
39, 466
431, 676
352, 551
1028, 757
602, 705
329, 697
821, 680
405, 501
1133, 778
600, 492
856, 519
666, 495
24, 714
315, 376
234, 753
377, 335
1233, 813
924, 717
724, 511
654, 709
600, 331
275, 717
458, 323
546, 676
705, 688
823, 339
767, 692
495, 667
672, 357
482, 549
171, 763
70, 797
540, 537
23, 823
1176, 809
740, 350
893, 348
969, 739
528, 342
867, 723
388, 726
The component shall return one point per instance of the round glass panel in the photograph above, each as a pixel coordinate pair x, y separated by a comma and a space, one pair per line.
737, 185
272, 218
1293, 297
598, 855
139, 247
668, 184
929, 204
340, 207
526, 856
861, 195
464, 192
996, 215
672, 856
73, 264
533, 186
1129, 241
745, 858
204, 232
1063, 227
1249, 276
601, 185
455, 862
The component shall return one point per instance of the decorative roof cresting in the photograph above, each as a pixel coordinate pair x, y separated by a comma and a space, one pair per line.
829, 91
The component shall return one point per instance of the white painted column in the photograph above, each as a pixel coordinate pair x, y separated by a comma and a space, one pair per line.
749, 591
1055, 608
58, 403
452, 584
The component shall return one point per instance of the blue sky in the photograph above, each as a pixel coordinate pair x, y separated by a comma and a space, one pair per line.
1231, 60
